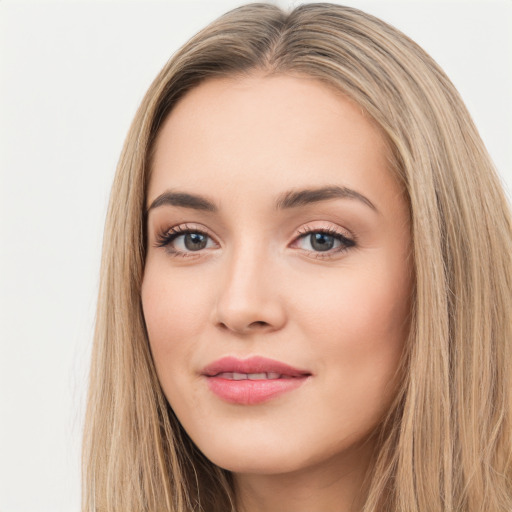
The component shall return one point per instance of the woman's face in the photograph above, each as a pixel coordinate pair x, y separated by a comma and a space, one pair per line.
277, 281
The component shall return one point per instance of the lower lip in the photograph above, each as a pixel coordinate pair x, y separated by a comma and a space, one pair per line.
252, 392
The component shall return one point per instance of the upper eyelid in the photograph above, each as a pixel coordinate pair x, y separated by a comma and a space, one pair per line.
188, 228
302, 231
304, 227
338, 230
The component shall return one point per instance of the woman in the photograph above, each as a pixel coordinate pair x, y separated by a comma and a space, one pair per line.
305, 294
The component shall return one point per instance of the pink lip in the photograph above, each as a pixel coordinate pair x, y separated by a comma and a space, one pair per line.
219, 375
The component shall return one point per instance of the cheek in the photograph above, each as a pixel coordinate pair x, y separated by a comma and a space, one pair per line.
358, 322
175, 311
362, 343
366, 306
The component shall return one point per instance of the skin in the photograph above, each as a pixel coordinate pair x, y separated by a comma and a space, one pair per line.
259, 287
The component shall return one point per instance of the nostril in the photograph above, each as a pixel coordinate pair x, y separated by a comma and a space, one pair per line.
247, 328
259, 323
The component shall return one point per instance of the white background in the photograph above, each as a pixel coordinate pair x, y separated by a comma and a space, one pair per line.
71, 77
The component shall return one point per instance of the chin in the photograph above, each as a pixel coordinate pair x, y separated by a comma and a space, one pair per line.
258, 463
250, 452
271, 453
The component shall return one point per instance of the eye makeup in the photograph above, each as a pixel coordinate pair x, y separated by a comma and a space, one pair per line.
185, 241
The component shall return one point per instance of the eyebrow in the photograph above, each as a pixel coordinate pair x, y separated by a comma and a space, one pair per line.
296, 198
183, 200
286, 200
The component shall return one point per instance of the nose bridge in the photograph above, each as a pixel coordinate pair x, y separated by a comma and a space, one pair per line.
248, 296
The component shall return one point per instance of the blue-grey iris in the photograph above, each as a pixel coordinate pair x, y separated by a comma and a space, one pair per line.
322, 241
195, 241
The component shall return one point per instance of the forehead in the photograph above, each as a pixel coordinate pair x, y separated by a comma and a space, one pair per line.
260, 134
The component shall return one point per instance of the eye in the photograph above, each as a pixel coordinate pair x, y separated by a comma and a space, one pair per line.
184, 241
324, 242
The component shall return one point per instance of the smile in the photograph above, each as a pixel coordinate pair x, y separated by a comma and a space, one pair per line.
252, 381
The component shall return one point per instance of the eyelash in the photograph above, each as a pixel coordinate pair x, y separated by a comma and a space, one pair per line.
165, 239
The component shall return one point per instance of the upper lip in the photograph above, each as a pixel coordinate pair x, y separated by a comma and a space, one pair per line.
254, 364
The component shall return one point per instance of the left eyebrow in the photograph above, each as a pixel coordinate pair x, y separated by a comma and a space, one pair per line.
296, 198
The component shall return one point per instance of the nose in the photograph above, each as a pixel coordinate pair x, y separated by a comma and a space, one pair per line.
249, 298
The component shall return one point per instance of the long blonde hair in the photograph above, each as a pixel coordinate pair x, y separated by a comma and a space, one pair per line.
446, 443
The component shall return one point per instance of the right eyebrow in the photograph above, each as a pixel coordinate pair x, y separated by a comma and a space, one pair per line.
183, 200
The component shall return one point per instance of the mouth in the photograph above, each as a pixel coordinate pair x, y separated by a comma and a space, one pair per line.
252, 381
251, 376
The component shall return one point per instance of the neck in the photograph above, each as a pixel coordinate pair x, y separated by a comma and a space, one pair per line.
336, 485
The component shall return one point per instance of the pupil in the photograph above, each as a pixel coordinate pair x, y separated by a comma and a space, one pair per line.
195, 241
322, 242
